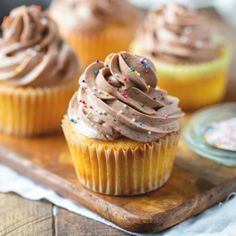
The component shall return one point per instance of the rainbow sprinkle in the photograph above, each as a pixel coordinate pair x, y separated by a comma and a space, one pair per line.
143, 60
72, 120
106, 94
95, 72
125, 95
18, 69
165, 116
132, 69
141, 105
222, 134
107, 62
141, 123
89, 113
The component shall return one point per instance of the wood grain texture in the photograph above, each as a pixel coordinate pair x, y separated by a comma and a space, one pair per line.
21, 217
70, 224
195, 185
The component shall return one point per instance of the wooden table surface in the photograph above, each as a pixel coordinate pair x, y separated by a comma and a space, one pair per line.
19, 216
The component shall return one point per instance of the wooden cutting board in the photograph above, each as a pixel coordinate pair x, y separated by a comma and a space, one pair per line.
195, 185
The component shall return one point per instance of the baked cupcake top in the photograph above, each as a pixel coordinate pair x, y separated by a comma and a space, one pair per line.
32, 53
118, 98
174, 34
92, 15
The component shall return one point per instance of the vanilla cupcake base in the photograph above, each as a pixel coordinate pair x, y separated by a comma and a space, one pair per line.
33, 111
97, 45
120, 167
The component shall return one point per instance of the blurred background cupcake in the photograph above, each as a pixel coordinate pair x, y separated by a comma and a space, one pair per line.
192, 58
96, 28
38, 73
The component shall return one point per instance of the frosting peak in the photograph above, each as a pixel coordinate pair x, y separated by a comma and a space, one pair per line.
31, 51
175, 34
89, 15
119, 98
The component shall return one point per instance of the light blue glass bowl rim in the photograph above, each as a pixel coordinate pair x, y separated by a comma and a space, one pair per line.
193, 133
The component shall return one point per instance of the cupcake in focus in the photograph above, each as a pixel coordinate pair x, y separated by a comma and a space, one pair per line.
38, 73
96, 28
191, 57
121, 129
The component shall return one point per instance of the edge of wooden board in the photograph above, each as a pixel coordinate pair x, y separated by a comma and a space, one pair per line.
129, 221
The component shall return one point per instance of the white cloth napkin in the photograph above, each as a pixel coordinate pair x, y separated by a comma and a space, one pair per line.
217, 221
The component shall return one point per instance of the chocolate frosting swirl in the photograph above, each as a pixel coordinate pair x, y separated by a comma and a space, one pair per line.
119, 98
92, 15
175, 34
32, 52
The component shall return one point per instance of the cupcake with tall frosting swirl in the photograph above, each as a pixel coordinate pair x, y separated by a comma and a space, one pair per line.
96, 28
120, 120
190, 54
36, 67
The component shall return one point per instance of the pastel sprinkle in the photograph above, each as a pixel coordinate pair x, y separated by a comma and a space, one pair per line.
141, 105
18, 68
141, 123
165, 116
106, 94
72, 120
95, 72
142, 60
133, 119
132, 68
149, 132
222, 134
125, 95
148, 86
90, 113
82, 101
107, 62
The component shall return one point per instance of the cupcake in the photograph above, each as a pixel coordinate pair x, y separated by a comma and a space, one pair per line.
38, 73
121, 129
191, 57
96, 28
